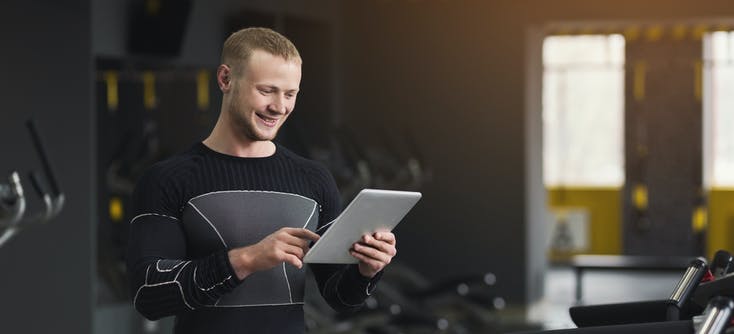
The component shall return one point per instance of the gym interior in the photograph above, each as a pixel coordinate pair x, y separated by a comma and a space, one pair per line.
575, 158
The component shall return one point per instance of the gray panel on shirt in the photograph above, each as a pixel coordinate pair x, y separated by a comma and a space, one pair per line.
242, 218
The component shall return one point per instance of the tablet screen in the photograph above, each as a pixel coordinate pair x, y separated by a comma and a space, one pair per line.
371, 210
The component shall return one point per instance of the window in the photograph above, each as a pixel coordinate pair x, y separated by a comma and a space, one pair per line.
719, 109
583, 110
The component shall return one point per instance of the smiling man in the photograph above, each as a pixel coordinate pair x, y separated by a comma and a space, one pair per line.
221, 229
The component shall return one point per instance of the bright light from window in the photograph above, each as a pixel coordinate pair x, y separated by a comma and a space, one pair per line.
583, 110
719, 109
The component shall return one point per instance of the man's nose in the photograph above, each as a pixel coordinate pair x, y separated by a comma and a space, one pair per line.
278, 105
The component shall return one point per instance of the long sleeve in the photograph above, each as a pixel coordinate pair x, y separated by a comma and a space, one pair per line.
342, 286
164, 282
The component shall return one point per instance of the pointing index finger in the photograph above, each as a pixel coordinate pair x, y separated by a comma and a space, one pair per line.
305, 234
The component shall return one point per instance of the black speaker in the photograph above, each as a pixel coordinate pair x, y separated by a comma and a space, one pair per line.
157, 27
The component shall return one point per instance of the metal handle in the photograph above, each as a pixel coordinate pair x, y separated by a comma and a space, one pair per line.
688, 282
12, 202
717, 315
12, 198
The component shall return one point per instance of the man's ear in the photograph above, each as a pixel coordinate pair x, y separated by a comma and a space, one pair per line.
224, 78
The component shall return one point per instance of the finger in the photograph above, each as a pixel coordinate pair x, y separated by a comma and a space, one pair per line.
385, 236
303, 233
383, 246
294, 250
294, 240
292, 259
372, 253
372, 263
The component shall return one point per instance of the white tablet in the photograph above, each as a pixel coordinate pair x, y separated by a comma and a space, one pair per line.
371, 211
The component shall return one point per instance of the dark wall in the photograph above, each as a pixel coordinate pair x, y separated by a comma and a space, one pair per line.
447, 72
45, 66
454, 72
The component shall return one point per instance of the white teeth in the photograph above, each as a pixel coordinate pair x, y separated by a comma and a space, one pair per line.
267, 119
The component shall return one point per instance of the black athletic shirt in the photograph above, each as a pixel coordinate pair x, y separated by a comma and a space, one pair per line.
192, 208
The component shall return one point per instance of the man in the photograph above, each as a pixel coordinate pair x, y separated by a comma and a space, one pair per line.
220, 230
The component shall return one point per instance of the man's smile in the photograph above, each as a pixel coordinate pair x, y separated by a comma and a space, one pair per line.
268, 121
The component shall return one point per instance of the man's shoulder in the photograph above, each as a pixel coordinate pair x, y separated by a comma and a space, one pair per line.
176, 167
307, 164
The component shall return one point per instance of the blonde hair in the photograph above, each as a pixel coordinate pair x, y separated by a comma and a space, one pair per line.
239, 46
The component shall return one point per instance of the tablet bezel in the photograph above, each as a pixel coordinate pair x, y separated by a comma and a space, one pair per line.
370, 211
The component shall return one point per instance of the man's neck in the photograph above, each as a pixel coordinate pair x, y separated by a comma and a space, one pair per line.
240, 147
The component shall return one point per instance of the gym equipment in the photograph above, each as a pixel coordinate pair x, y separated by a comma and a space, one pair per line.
676, 307
13, 202
583, 263
716, 317
469, 302
396, 163
714, 320
722, 264
700, 303
407, 302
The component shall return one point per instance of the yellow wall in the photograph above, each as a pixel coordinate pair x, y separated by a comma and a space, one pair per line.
721, 219
605, 216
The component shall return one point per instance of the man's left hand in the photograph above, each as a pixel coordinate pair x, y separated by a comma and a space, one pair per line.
374, 252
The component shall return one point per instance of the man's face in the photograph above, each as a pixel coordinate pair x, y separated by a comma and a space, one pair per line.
263, 95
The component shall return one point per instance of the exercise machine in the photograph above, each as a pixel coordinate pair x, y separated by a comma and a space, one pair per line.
13, 203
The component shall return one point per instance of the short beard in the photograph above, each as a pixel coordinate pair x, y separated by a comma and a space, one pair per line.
242, 124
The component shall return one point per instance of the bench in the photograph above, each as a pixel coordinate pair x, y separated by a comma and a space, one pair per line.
582, 263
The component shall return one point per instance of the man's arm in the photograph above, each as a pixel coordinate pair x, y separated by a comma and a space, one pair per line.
374, 252
285, 245
345, 287
164, 280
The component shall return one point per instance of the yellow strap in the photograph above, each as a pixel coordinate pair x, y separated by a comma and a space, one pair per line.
699, 219
202, 90
639, 196
654, 33
149, 98
115, 208
113, 97
639, 82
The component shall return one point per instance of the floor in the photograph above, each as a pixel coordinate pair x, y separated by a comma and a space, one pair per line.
599, 288
549, 313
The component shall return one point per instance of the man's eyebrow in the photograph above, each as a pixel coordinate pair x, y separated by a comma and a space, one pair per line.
274, 87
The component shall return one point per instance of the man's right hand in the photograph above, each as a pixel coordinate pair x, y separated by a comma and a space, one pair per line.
285, 245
